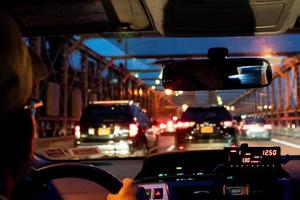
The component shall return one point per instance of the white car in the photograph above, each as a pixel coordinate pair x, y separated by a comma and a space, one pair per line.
256, 128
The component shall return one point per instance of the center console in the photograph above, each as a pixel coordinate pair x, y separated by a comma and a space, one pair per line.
240, 173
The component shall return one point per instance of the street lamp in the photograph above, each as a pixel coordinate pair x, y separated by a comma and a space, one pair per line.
141, 91
184, 107
168, 92
232, 108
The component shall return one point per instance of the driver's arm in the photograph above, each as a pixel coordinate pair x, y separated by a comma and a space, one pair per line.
129, 191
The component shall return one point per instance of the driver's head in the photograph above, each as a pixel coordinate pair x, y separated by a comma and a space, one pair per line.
16, 80
15, 67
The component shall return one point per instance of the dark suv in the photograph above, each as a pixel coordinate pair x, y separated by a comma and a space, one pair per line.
116, 127
205, 128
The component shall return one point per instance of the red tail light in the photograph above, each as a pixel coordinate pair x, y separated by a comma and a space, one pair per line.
268, 126
181, 147
162, 126
170, 123
179, 124
182, 125
77, 132
133, 130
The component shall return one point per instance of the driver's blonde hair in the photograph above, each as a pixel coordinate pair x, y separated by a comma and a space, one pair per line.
16, 77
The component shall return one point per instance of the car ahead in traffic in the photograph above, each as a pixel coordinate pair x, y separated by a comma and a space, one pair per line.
255, 129
205, 128
167, 127
116, 128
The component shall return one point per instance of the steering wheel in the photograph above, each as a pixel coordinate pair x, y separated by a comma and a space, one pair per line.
77, 170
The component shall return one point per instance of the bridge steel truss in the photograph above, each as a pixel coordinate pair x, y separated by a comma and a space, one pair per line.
97, 78
280, 101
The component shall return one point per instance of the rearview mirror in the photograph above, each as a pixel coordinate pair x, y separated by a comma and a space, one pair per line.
226, 74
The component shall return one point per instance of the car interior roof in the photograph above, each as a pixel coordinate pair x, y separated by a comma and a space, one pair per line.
167, 17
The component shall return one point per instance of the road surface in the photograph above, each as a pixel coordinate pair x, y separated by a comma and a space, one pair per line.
289, 145
63, 146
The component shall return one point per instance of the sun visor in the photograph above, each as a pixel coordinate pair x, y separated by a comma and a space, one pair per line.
60, 17
130, 12
219, 17
79, 17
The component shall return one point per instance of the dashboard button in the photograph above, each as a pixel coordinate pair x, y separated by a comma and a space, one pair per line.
236, 191
148, 192
158, 193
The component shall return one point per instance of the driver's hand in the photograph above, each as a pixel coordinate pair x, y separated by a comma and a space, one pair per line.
129, 191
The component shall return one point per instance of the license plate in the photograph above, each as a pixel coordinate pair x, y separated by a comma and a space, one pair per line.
207, 129
103, 131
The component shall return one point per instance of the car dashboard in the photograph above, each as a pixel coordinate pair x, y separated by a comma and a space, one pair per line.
230, 174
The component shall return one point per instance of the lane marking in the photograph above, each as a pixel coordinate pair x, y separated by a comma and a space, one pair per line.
171, 148
286, 143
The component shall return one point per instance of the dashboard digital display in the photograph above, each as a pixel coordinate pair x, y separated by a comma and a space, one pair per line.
254, 157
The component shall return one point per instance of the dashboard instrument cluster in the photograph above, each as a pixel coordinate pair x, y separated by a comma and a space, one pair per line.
235, 172
253, 158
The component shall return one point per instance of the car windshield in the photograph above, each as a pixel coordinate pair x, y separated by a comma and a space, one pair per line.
255, 121
106, 100
206, 114
104, 114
